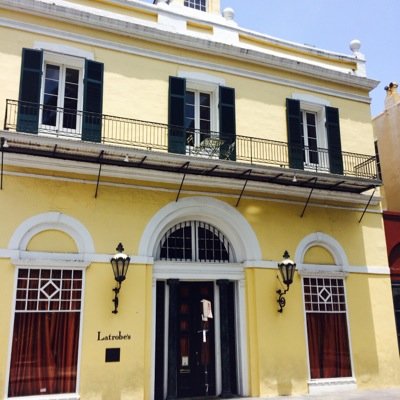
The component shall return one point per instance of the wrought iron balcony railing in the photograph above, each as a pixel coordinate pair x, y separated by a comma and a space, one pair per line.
65, 123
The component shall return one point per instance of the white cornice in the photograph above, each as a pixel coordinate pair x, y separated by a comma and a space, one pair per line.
132, 27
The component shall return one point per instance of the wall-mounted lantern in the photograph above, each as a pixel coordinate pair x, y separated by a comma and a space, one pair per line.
119, 263
286, 268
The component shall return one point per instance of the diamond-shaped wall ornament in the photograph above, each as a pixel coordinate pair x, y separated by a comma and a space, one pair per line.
325, 294
50, 289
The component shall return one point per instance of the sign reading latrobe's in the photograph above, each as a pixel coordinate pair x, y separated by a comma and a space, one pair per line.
119, 336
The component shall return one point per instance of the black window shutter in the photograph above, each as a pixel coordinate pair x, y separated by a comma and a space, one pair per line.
176, 115
29, 90
92, 101
334, 143
294, 128
227, 122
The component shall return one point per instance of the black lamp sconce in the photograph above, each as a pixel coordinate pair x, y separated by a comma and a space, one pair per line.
119, 263
286, 268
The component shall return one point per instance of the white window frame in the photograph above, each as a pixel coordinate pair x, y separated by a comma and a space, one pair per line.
317, 386
200, 3
197, 129
195, 251
212, 90
205, 83
22, 258
334, 271
322, 138
315, 105
48, 263
63, 61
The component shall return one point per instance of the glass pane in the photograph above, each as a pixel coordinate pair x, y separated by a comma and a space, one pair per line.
39, 340
50, 100
52, 72
205, 113
71, 90
205, 126
189, 111
51, 87
69, 120
205, 99
189, 124
70, 104
49, 116
72, 75
189, 97
311, 119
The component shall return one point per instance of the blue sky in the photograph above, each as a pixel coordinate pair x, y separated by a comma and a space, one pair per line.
331, 25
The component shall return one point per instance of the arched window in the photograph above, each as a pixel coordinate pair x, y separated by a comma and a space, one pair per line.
194, 241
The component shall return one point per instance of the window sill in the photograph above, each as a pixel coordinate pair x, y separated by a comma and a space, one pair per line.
68, 396
318, 386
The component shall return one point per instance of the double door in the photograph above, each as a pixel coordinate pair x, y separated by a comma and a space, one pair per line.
195, 343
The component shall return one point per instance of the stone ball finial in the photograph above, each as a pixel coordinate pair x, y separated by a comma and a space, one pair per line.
355, 46
228, 13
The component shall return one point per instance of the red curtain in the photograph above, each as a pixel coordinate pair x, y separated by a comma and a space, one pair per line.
44, 353
328, 345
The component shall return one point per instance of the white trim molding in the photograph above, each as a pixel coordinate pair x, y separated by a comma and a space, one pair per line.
63, 49
331, 385
51, 221
206, 209
327, 242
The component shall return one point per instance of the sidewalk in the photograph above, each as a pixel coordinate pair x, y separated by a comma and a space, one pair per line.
381, 394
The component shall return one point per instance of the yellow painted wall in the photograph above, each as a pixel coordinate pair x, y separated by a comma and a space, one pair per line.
121, 214
372, 333
277, 347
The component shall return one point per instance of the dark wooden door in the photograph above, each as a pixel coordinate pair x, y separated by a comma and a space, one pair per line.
196, 341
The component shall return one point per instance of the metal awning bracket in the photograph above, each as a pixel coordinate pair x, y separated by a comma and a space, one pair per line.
366, 207
3, 141
209, 171
247, 174
141, 162
184, 167
100, 160
309, 196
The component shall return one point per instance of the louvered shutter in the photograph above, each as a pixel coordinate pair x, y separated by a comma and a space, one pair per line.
92, 101
295, 140
176, 115
227, 122
334, 142
29, 90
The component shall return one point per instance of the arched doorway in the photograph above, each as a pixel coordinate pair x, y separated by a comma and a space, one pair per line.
196, 331
200, 247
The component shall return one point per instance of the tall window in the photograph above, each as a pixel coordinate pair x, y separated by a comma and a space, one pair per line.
62, 94
314, 139
195, 241
197, 4
46, 332
326, 318
60, 97
197, 116
314, 136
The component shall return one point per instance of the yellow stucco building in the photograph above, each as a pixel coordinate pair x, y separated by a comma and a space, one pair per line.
207, 150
